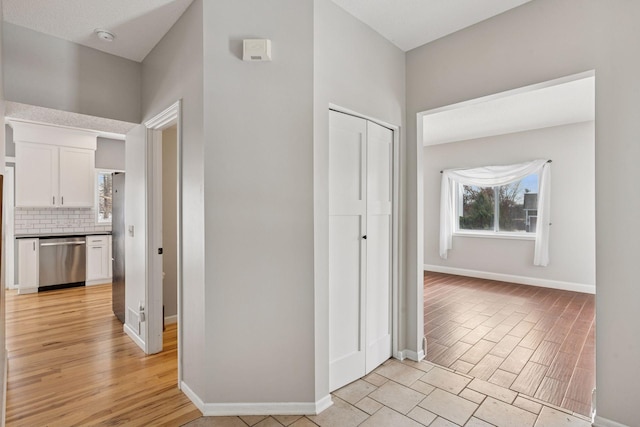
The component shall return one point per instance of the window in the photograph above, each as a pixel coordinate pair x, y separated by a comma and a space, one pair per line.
514, 205
104, 187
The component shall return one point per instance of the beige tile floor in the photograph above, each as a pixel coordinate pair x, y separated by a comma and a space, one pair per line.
399, 394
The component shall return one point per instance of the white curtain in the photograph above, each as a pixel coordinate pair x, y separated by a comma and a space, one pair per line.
493, 176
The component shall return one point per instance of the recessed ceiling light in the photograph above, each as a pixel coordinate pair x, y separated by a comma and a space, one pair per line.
105, 35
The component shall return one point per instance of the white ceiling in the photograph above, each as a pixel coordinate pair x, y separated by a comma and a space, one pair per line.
138, 24
515, 111
412, 23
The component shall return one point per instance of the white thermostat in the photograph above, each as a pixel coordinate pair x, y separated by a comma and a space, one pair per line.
256, 50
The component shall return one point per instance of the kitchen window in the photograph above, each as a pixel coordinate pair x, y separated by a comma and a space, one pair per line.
104, 187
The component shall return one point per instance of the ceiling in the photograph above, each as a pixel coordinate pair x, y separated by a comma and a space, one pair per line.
412, 23
137, 24
554, 104
140, 24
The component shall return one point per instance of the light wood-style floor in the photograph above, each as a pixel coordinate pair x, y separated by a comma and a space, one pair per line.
70, 364
536, 341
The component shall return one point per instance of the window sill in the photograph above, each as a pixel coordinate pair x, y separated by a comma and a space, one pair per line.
506, 236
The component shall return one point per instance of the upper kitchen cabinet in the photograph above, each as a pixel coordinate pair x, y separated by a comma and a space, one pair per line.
55, 166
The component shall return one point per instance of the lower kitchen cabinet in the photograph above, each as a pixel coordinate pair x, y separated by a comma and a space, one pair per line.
98, 260
28, 259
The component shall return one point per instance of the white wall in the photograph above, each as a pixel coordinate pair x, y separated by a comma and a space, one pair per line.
50, 72
172, 71
169, 221
572, 240
357, 69
259, 203
536, 42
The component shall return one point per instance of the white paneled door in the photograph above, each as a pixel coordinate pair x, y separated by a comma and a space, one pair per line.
360, 241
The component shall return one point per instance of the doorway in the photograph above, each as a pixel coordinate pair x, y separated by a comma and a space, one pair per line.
479, 318
164, 221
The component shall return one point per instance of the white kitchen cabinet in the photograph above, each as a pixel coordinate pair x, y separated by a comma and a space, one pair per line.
28, 258
50, 176
36, 175
98, 260
55, 166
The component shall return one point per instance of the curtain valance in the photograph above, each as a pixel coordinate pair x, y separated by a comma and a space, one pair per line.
494, 176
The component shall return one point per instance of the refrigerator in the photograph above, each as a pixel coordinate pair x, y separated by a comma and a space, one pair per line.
118, 236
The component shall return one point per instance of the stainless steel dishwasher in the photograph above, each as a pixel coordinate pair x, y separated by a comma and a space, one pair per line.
62, 261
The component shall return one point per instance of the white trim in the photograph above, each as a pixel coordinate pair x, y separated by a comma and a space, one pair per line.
239, 409
134, 337
409, 354
603, 422
23, 290
193, 397
522, 280
9, 238
95, 282
99, 133
266, 408
170, 320
168, 117
323, 404
165, 118
9, 159
495, 235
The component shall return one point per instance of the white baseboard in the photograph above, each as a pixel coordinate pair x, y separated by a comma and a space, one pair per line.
523, 280
169, 320
97, 282
23, 291
136, 339
193, 397
410, 354
603, 422
235, 409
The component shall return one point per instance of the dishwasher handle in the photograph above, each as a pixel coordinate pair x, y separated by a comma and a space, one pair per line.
63, 243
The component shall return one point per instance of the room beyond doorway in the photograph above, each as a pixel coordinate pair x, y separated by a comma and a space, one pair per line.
536, 341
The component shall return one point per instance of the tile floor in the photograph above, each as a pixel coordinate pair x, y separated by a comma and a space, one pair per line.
535, 341
408, 394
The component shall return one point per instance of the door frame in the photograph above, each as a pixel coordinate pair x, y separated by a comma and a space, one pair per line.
396, 238
172, 115
9, 227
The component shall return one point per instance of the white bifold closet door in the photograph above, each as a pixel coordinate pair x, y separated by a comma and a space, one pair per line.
360, 241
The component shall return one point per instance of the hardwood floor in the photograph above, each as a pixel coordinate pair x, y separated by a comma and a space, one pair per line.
536, 341
70, 364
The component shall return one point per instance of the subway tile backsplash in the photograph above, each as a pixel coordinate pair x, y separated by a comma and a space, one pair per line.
58, 220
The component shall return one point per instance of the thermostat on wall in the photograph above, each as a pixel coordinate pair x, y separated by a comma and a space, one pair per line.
256, 50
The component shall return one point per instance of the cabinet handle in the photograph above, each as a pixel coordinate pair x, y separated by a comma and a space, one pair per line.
34, 245
54, 200
62, 200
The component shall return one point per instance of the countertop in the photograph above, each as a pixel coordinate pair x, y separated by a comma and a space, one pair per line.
44, 236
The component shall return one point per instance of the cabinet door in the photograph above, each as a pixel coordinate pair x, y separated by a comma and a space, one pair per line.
98, 258
28, 251
77, 181
36, 175
95, 262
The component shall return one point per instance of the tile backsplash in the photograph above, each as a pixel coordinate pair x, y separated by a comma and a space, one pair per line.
57, 220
